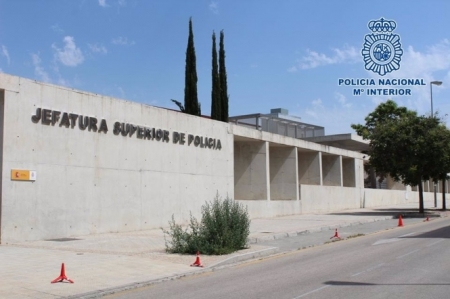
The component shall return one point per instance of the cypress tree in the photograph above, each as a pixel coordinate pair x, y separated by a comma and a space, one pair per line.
191, 104
215, 91
223, 81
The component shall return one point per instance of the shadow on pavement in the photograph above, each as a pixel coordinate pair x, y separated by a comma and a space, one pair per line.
354, 283
441, 233
406, 213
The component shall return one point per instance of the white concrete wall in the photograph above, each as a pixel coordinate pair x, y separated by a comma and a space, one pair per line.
244, 132
380, 197
349, 171
359, 173
251, 170
324, 199
331, 170
328, 199
2, 102
283, 173
313, 198
91, 182
309, 168
267, 209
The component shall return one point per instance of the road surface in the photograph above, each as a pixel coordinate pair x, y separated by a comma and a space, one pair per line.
406, 262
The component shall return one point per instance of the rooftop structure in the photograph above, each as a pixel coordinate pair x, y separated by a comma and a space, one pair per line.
279, 121
347, 141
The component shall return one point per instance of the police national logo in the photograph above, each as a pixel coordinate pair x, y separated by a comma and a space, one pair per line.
382, 51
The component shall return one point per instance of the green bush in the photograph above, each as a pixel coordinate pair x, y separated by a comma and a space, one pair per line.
224, 228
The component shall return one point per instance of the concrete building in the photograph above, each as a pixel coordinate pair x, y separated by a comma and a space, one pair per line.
279, 121
76, 163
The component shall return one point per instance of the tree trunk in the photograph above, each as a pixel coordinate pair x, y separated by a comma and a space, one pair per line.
373, 178
421, 209
443, 195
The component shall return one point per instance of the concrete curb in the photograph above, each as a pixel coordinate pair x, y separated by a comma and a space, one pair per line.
233, 259
135, 285
246, 256
278, 236
433, 214
222, 264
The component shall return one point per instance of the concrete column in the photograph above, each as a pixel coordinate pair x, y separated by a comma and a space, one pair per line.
331, 167
2, 117
359, 176
297, 183
321, 168
283, 181
267, 172
251, 181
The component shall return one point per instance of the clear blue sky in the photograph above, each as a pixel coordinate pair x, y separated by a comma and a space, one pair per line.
279, 54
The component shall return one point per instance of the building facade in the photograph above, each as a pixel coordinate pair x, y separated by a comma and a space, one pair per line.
76, 163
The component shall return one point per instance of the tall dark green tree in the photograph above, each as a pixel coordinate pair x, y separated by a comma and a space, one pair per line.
384, 112
408, 147
215, 91
223, 81
191, 104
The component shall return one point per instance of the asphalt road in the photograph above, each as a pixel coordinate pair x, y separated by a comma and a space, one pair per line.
407, 262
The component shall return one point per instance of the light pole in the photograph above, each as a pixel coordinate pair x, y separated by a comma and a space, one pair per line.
437, 83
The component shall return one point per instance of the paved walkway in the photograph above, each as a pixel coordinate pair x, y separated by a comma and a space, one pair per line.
100, 263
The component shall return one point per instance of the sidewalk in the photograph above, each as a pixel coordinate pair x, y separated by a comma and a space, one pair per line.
100, 264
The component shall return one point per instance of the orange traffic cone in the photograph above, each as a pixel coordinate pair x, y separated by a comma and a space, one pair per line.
400, 220
428, 219
197, 262
62, 276
336, 235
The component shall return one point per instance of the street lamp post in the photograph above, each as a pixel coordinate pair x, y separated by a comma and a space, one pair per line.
437, 83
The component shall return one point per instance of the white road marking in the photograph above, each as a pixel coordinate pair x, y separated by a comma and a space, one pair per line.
385, 241
356, 274
313, 291
374, 267
406, 254
435, 243
391, 240
407, 235
368, 270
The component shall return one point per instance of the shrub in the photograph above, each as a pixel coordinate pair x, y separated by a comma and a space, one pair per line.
224, 228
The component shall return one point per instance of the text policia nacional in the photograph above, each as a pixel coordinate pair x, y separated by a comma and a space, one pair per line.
71, 120
373, 87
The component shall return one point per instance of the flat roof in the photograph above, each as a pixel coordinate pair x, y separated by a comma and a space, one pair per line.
347, 141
